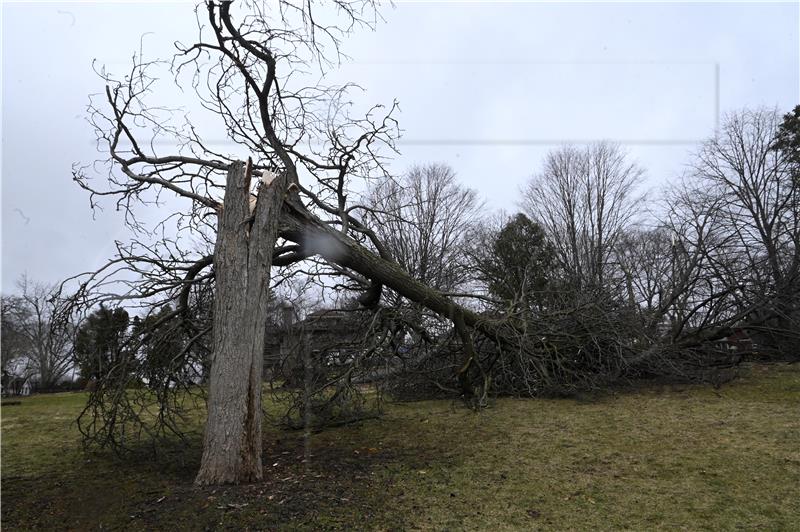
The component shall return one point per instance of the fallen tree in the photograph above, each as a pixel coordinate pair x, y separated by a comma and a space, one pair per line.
249, 84
227, 243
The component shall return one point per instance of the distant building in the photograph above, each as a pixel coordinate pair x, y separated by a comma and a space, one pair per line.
328, 337
738, 341
15, 385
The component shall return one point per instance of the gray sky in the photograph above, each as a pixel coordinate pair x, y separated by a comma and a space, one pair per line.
487, 88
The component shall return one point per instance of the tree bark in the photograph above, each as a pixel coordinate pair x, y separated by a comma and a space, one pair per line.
242, 261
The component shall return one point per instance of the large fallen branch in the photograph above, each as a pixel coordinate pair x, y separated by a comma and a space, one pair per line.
317, 238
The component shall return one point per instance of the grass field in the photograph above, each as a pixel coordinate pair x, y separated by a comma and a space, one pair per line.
666, 457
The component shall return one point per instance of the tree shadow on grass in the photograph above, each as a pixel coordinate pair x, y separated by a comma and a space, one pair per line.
330, 481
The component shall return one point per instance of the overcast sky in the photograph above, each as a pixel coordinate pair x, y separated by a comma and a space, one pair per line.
487, 88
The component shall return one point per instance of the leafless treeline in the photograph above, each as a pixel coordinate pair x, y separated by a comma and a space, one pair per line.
623, 286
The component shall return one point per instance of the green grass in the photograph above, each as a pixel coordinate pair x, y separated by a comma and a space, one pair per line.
665, 457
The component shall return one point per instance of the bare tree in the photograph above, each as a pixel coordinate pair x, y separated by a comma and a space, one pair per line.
12, 337
585, 199
645, 258
725, 255
423, 220
753, 250
40, 332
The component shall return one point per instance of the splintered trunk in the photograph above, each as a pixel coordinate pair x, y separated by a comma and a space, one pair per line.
242, 261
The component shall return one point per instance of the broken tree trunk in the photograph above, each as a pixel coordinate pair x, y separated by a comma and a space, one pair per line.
242, 262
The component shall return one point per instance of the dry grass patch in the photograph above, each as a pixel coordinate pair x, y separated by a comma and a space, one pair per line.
666, 457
